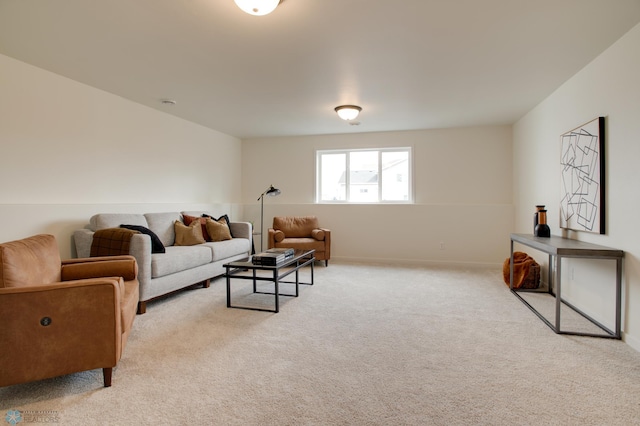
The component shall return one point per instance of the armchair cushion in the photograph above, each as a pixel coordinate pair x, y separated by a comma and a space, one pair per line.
295, 226
28, 262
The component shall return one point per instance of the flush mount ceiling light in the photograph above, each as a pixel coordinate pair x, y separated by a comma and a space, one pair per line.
258, 7
348, 112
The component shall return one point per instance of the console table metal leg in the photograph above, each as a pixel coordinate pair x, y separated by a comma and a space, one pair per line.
550, 275
511, 268
558, 262
618, 297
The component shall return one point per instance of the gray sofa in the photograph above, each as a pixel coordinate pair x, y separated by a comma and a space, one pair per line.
180, 266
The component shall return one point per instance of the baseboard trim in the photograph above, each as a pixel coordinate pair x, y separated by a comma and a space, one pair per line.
631, 341
418, 262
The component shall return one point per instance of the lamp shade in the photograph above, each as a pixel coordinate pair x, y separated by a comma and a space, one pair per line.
348, 112
272, 192
257, 7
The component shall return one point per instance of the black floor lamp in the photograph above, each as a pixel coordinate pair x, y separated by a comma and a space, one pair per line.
271, 192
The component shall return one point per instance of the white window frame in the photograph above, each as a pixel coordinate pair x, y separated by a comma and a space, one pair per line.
347, 152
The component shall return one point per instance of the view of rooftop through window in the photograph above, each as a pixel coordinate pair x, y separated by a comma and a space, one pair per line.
364, 176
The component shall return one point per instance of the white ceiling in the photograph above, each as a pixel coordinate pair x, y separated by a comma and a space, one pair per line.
410, 64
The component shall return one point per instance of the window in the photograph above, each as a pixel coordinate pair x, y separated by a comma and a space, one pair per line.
364, 176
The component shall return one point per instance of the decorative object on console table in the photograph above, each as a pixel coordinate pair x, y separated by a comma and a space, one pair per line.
582, 186
271, 192
535, 216
542, 229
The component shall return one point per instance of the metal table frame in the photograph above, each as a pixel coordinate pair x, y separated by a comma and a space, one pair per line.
558, 248
300, 259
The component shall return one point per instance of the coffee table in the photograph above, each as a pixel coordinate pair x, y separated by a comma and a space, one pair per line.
245, 270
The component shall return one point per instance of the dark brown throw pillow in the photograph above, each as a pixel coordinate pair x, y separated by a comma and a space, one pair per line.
188, 219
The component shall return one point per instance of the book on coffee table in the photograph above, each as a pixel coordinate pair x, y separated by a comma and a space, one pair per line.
288, 252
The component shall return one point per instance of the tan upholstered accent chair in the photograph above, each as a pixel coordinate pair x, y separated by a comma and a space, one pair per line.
61, 317
301, 233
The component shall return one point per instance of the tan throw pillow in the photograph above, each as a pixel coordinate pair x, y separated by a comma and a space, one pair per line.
218, 230
188, 235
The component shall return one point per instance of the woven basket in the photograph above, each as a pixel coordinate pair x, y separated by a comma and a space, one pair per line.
526, 271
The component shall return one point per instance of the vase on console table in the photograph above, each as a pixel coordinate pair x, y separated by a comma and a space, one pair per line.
539, 207
542, 229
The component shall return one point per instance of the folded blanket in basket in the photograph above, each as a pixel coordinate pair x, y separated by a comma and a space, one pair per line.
526, 271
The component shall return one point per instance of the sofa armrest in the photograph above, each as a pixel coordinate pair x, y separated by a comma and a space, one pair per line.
97, 267
327, 242
271, 237
139, 247
59, 328
241, 229
82, 239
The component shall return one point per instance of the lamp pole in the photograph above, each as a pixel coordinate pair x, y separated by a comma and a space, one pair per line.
271, 192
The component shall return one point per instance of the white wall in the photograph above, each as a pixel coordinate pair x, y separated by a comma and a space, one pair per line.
606, 87
462, 195
68, 151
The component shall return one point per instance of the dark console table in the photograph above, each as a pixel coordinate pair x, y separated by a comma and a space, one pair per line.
557, 248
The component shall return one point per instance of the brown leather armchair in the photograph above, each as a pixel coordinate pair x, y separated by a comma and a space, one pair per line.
60, 317
301, 233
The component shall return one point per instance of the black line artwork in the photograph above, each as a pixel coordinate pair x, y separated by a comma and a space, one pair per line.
582, 178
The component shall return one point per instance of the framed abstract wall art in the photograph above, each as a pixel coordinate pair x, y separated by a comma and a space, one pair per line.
582, 189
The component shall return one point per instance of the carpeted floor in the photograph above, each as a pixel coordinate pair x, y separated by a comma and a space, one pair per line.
367, 345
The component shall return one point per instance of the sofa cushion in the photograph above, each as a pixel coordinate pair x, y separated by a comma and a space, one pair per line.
218, 230
162, 225
114, 220
225, 249
179, 258
188, 235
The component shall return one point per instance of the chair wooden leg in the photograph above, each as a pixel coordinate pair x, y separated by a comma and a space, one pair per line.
107, 372
142, 308
206, 283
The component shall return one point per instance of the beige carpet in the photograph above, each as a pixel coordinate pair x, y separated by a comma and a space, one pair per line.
367, 345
